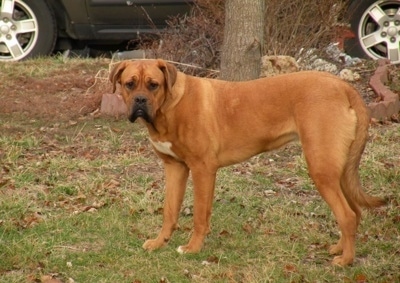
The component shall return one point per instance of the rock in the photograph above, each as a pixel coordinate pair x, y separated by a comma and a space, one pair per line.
323, 65
279, 64
334, 52
309, 59
351, 61
113, 105
127, 55
349, 75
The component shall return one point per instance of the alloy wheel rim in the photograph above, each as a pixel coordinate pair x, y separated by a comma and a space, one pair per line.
379, 31
18, 30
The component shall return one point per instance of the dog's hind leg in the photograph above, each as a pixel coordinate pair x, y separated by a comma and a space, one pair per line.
327, 182
176, 174
338, 248
326, 152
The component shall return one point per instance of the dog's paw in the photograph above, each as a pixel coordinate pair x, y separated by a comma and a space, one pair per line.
181, 250
187, 249
341, 261
152, 245
335, 249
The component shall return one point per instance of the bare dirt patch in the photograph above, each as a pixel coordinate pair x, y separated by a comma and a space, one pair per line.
65, 91
54, 90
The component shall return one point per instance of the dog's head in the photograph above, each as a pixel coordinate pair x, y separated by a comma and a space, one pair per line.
145, 86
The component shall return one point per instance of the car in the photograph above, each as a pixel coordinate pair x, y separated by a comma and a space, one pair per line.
30, 28
376, 26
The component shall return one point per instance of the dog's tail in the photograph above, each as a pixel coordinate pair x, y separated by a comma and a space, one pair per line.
350, 180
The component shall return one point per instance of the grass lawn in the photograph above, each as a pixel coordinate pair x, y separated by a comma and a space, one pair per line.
80, 194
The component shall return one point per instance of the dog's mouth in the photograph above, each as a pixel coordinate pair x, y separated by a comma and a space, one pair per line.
140, 112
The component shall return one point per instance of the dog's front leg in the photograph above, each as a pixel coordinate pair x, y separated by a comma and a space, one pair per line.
204, 183
176, 175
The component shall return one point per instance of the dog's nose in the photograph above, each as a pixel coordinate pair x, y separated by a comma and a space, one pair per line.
140, 99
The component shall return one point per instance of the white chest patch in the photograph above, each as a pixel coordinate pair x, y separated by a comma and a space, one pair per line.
164, 147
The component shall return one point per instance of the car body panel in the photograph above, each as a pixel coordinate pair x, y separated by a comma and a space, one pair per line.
115, 20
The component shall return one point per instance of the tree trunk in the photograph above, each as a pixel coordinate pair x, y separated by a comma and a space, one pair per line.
243, 40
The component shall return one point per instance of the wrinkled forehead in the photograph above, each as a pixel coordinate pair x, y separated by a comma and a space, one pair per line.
142, 71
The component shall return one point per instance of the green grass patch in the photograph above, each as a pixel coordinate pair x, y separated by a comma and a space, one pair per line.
80, 201
77, 201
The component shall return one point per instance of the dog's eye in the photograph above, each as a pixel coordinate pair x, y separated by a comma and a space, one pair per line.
130, 85
152, 86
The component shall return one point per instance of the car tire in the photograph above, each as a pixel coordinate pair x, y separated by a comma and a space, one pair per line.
28, 29
376, 25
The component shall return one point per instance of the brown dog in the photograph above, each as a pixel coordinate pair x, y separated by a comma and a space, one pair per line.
200, 125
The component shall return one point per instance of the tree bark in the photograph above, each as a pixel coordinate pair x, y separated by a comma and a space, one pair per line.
243, 40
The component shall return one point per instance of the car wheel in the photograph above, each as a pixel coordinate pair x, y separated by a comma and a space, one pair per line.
376, 25
27, 29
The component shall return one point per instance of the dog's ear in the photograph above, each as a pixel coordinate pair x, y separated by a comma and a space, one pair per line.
170, 73
116, 72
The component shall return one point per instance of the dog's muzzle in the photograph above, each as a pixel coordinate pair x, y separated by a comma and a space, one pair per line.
140, 109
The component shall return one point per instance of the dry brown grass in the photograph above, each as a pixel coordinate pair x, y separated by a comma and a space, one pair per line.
293, 25
79, 197
290, 25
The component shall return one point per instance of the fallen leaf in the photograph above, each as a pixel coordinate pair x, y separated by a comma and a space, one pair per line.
116, 130
159, 210
112, 184
361, 278
81, 197
31, 220
93, 207
268, 193
3, 182
247, 228
224, 233
269, 232
49, 279
211, 259
347, 280
396, 219
290, 268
